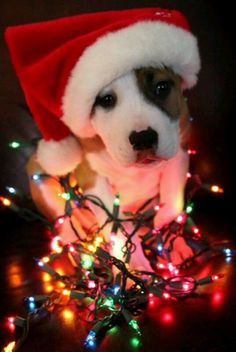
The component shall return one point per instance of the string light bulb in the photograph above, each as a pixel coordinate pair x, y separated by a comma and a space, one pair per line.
64, 195
160, 247
91, 284
116, 202
192, 152
90, 339
6, 202
216, 189
45, 259
56, 244
166, 295
10, 347
181, 218
227, 252
14, 144
189, 208
11, 190
133, 323
36, 177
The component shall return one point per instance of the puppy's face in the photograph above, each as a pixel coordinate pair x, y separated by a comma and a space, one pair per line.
138, 116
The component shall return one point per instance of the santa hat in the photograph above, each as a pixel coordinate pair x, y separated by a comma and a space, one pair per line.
63, 64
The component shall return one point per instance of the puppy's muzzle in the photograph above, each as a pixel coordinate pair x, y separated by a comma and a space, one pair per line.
144, 140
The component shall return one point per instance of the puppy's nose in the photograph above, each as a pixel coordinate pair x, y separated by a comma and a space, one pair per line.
145, 139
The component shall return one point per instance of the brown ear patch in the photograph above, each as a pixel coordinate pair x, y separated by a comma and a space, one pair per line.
162, 87
85, 176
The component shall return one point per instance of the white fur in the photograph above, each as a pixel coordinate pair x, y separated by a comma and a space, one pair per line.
132, 113
59, 157
146, 43
116, 164
117, 171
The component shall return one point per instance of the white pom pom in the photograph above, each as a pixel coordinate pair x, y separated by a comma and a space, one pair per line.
59, 157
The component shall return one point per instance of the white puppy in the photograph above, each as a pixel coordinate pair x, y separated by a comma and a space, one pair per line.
140, 122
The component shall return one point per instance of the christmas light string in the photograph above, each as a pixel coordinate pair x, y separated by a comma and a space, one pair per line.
113, 297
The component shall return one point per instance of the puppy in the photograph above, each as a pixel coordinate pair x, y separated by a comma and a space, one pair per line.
139, 150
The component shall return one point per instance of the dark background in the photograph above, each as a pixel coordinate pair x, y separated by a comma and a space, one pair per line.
213, 109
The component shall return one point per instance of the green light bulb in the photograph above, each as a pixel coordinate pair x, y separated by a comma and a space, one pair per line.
117, 200
14, 144
113, 330
65, 195
133, 323
189, 209
86, 261
109, 302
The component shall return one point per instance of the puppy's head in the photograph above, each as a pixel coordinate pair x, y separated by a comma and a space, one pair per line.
138, 116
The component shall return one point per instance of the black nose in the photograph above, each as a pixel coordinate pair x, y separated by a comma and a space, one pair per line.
145, 139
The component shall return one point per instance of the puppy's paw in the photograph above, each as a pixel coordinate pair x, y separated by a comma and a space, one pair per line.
165, 216
71, 230
180, 252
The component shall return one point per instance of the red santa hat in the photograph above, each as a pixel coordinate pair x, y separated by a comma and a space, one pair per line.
63, 64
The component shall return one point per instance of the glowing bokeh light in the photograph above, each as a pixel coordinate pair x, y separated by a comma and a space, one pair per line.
217, 299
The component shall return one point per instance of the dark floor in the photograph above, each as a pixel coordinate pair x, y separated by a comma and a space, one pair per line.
204, 321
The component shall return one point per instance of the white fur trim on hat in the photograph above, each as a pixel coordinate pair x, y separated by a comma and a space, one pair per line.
59, 157
143, 44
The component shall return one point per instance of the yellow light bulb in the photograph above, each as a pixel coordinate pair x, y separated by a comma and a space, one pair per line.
216, 189
9, 347
6, 201
66, 292
91, 248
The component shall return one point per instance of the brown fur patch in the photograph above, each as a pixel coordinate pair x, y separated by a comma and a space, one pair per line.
149, 78
83, 173
85, 176
174, 105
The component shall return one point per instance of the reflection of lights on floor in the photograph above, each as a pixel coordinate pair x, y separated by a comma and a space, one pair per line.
10, 324
46, 281
135, 342
47, 287
46, 277
15, 275
167, 317
68, 315
217, 299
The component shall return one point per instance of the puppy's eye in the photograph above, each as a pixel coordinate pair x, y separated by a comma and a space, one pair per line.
107, 101
163, 89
